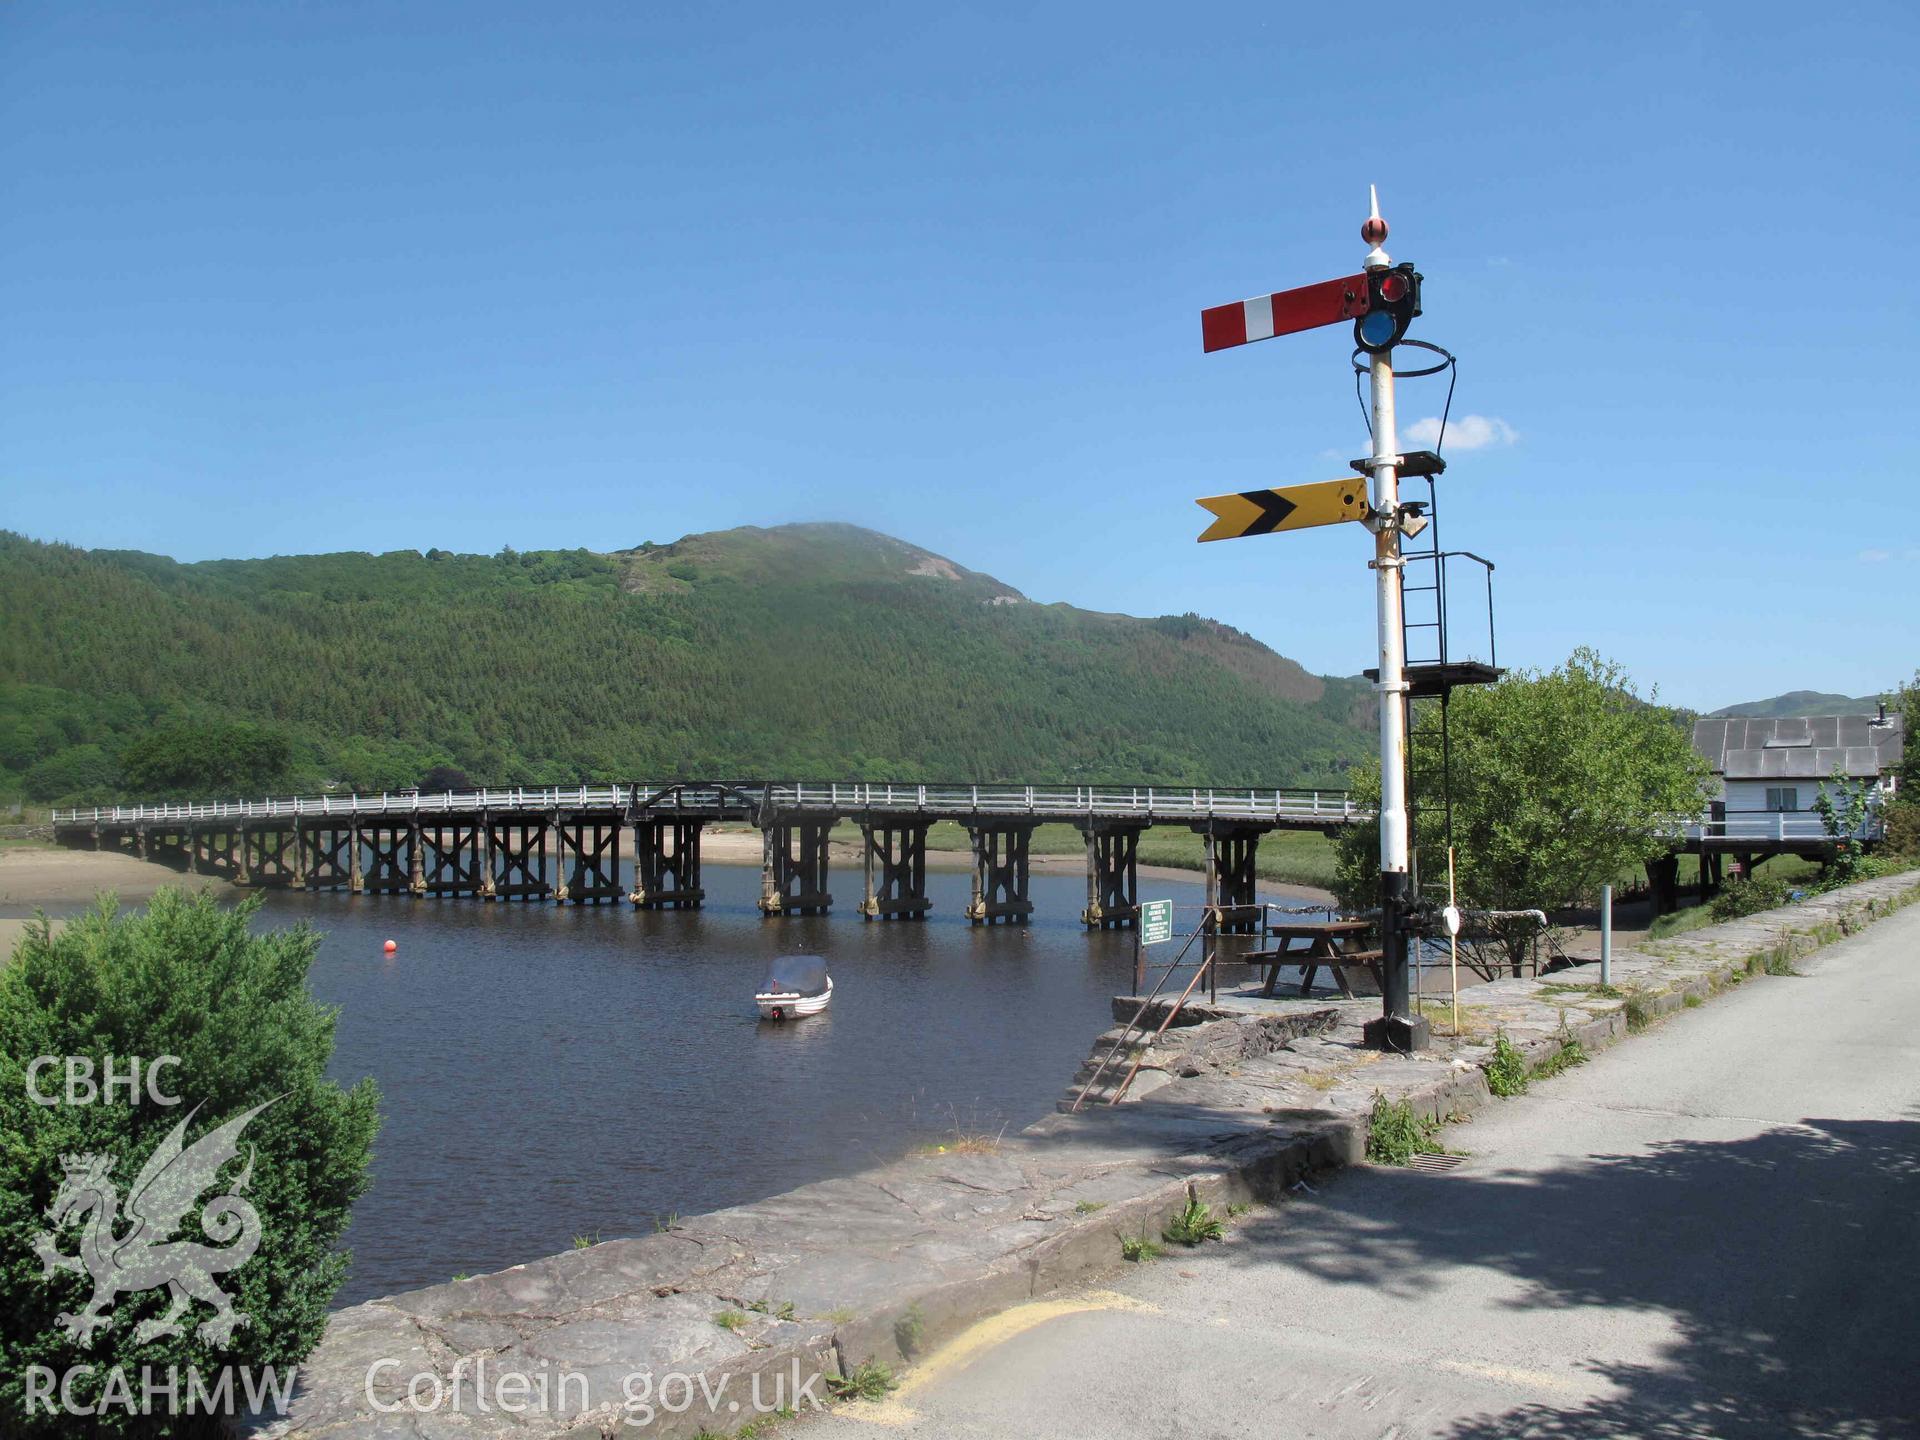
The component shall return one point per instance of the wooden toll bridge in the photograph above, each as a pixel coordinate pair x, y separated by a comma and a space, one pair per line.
563, 843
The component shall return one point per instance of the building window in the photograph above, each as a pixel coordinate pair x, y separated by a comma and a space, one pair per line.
1787, 798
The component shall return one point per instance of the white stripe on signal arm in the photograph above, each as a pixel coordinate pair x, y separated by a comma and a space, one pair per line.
1259, 317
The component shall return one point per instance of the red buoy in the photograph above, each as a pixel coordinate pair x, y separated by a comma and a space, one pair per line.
390, 947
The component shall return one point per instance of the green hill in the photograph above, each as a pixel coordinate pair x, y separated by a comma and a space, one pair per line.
1801, 702
807, 651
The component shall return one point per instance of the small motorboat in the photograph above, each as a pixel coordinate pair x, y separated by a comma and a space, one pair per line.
795, 985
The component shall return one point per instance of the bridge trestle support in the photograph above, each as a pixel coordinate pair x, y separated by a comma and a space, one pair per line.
265, 857
391, 849
328, 863
666, 864
518, 867
793, 868
1232, 887
450, 856
1001, 872
587, 852
896, 851
1113, 876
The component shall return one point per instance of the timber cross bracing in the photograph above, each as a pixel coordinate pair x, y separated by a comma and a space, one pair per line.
898, 852
451, 858
666, 864
1113, 877
793, 874
589, 855
518, 870
1001, 873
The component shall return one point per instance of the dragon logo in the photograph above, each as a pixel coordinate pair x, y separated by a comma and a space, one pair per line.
140, 1252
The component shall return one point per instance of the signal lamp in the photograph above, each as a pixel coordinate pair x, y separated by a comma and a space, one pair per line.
1393, 298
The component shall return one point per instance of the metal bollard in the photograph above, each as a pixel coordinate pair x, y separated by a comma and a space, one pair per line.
1606, 934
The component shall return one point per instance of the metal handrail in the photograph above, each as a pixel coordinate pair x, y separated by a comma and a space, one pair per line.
1205, 969
1443, 618
1167, 974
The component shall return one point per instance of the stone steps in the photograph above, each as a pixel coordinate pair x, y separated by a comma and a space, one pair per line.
1123, 1049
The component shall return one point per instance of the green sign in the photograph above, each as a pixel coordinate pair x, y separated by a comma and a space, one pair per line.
1156, 922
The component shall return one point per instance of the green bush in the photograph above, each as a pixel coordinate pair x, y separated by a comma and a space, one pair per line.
1395, 1134
1750, 897
1874, 867
1506, 1068
1538, 823
185, 979
1843, 806
1903, 824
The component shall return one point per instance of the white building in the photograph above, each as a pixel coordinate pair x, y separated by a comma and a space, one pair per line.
1771, 771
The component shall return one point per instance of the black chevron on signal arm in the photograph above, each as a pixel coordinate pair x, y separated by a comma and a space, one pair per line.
1274, 509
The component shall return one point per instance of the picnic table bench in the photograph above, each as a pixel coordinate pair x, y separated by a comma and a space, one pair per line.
1335, 944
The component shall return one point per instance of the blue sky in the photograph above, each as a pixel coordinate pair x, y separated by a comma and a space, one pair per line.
312, 277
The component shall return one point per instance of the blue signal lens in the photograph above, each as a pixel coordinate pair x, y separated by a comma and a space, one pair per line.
1376, 328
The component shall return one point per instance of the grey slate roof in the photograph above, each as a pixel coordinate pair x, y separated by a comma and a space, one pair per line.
1799, 748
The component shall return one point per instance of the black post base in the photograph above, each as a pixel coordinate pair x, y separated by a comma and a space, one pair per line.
1399, 1035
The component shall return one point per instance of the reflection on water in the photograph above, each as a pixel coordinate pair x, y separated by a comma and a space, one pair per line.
555, 1071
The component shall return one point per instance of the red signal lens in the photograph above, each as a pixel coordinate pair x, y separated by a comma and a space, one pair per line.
1393, 287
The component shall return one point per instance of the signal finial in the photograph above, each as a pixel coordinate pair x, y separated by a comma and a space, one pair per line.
1374, 231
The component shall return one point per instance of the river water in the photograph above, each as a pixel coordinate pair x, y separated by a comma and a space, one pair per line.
548, 1072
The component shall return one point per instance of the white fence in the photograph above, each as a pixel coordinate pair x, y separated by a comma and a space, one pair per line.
1778, 826
1145, 802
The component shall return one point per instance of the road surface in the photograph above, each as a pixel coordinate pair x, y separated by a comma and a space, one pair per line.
1712, 1229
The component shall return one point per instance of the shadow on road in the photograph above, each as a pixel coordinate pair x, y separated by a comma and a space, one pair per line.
1789, 1261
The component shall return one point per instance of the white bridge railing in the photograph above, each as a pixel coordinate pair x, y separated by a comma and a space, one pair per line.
1334, 806
585, 797
1147, 802
1776, 825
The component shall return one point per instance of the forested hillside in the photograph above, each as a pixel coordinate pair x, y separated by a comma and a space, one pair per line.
806, 651
1803, 702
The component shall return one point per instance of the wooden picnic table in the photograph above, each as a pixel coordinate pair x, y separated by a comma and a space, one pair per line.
1335, 944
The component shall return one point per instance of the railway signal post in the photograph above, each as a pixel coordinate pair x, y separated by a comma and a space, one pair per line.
1381, 302
1399, 1026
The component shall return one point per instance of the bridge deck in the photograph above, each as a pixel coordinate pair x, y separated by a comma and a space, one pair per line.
759, 801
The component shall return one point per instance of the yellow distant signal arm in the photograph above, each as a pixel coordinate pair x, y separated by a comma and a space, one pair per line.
1288, 507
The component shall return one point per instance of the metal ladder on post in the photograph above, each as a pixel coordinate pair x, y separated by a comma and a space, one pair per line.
1436, 653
